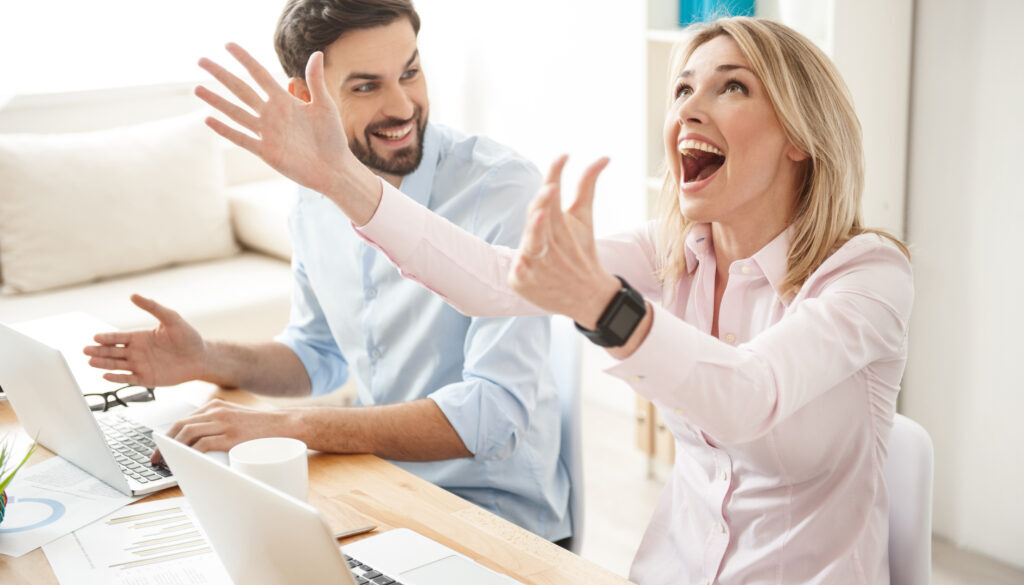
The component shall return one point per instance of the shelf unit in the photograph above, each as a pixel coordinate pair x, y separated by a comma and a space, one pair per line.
870, 42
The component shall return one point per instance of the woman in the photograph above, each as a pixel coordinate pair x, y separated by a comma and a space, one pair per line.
765, 323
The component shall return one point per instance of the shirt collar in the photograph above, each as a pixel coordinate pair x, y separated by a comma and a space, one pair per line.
419, 183
772, 259
698, 245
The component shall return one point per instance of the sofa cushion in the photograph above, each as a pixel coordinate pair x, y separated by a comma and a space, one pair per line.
80, 207
259, 213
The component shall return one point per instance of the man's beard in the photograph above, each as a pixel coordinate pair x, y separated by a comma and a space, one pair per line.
401, 162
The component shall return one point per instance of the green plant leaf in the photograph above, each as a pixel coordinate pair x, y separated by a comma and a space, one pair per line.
5, 453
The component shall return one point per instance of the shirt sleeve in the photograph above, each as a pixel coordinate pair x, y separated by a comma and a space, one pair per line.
309, 336
857, 315
505, 358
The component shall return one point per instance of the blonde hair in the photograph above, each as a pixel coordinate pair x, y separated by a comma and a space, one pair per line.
816, 113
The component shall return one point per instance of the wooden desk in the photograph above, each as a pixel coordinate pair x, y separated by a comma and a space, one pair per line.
392, 498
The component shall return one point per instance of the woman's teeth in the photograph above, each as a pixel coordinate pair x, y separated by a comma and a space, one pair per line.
690, 144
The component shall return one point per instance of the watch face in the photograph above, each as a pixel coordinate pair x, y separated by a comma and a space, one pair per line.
624, 321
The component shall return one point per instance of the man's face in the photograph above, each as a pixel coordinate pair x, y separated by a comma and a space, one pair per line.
374, 77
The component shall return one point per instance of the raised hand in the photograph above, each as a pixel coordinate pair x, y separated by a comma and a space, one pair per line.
556, 267
304, 141
168, 355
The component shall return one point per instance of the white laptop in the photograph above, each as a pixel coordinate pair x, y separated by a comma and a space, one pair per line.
266, 537
50, 407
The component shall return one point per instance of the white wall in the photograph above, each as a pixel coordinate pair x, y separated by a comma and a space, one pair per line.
547, 77
964, 381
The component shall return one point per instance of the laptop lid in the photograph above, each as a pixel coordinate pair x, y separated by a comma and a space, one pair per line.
262, 535
51, 408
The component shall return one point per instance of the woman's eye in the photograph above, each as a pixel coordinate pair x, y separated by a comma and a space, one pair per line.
683, 90
735, 87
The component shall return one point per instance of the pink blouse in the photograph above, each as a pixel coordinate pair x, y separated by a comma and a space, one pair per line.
780, 422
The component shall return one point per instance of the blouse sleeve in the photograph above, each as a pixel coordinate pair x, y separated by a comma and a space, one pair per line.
472, 275
852, 312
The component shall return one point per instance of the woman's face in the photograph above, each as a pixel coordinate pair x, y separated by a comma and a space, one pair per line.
725, 148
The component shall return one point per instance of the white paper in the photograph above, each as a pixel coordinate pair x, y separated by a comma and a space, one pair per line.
49, 500
155, 543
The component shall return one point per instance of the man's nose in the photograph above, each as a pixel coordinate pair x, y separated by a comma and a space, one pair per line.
398, 104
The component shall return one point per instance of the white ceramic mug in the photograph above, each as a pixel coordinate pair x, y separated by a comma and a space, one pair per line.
277, 461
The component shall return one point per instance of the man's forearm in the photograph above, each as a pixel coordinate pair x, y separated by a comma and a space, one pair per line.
264, 368
410, 431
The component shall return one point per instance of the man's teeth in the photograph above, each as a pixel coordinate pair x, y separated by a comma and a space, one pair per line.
698, 145
395, 134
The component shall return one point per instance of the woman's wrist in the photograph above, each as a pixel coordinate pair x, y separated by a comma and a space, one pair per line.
591, 311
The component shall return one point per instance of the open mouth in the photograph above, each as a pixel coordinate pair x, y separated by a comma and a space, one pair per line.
394, 133
700, 160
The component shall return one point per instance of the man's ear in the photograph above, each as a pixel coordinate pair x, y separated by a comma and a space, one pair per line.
298, 88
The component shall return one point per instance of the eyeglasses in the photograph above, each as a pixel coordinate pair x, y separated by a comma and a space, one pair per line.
119, 397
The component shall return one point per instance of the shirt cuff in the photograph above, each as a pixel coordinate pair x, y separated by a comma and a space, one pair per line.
665, 358
396, 227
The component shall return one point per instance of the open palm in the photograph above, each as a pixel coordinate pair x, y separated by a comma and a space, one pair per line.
303, 141
169, 354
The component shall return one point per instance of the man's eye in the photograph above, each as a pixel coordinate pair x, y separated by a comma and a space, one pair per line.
410, 74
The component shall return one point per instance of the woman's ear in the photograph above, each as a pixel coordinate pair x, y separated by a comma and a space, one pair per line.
794, 153
298, 88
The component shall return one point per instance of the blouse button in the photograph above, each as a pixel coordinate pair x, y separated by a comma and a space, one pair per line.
730, 338
745, 269
720, 527
724, 476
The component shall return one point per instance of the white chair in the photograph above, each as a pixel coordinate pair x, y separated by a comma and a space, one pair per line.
909, 476
566, 354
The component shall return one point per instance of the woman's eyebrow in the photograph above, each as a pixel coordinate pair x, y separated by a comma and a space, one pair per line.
721, 68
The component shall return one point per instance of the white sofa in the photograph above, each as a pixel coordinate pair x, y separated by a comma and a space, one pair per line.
161, 209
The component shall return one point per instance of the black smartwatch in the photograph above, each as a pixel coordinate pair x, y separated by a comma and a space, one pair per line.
619, 319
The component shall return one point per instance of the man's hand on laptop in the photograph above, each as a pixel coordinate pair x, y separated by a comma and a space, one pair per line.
170, 354
220, 425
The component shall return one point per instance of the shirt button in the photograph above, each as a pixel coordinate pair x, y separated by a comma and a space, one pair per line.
375, 354
730, 338
724, 476
371, 293
745, 269
720, 527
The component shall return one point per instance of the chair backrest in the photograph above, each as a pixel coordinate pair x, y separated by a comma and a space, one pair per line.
908, 477
566, 355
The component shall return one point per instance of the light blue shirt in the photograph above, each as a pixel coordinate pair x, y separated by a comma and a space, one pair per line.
354, 314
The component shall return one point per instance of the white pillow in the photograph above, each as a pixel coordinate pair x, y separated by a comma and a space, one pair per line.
80, 207
260, 212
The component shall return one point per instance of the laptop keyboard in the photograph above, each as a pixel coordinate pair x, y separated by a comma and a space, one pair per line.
132, 445
367, 575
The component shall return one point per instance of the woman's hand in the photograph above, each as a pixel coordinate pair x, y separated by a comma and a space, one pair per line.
303, 141
556, 266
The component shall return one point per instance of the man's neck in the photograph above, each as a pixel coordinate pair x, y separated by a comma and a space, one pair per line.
394, 180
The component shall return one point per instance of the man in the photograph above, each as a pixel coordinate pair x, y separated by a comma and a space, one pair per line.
465, 403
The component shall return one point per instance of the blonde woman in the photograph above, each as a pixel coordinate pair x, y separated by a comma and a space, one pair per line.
767, 325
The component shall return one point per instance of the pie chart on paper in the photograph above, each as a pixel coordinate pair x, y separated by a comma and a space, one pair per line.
24, 514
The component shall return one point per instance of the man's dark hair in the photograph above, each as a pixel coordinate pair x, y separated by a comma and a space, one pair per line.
307, 26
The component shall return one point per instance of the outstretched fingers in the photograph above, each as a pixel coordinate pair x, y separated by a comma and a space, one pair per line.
236, 113
315, 79
259, 73
231, 81
583, 207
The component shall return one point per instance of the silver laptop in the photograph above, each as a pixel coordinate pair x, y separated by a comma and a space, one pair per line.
245, 520
50, 407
